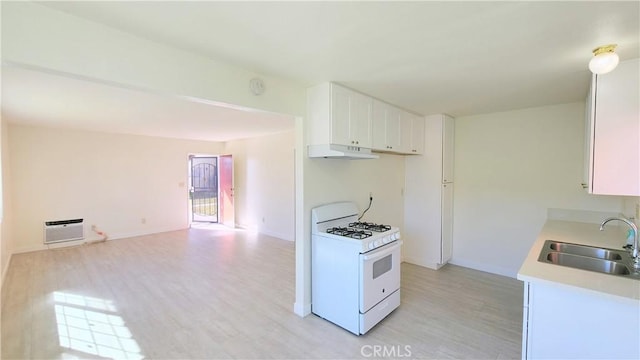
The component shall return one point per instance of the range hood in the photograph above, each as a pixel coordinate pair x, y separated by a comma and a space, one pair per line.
334, 151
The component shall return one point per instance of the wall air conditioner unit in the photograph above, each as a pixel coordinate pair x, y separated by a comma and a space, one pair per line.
63, 230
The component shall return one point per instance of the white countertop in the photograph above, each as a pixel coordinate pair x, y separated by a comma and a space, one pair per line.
579, 233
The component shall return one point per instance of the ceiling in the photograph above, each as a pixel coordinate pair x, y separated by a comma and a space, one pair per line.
459, 58
46, 99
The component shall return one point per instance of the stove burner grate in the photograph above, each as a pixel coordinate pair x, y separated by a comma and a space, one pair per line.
370, 226
350, 232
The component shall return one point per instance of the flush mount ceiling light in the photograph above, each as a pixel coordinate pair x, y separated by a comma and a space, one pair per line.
604, 59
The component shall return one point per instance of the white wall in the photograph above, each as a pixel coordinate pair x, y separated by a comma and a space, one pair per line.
110, 180
264, 183
5, 221
509, 168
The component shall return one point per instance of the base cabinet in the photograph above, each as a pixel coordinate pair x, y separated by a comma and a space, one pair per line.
563, 322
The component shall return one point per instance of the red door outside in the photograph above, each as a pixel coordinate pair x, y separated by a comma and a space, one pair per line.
227, 214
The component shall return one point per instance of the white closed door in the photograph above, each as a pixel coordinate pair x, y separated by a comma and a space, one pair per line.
446, 248
380, 271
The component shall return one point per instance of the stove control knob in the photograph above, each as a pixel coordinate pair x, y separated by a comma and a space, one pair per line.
371, 246
387, 239
396, 236
378, 243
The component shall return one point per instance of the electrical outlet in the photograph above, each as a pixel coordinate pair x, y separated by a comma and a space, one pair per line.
143, 220
638, 212
370, 194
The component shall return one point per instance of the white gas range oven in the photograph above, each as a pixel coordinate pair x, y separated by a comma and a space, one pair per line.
355, 268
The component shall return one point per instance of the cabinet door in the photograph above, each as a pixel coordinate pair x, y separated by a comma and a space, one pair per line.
417, 135
406, 124
340, 115
616, 147
393, 130
448, 137
386, 128
588, 137
360, 120
446, 250
378, 126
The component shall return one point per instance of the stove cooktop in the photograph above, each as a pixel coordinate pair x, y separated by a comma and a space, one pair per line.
350, 232
358, 230
370, 226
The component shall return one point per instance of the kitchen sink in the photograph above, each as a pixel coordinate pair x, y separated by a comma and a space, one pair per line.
583, 250
588, 263
602, 260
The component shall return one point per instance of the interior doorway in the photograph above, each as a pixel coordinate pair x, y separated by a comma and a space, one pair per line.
203, 188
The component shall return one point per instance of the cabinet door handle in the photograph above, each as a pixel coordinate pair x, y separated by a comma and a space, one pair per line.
584, 185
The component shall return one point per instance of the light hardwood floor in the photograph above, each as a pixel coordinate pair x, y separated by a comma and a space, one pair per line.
219, 293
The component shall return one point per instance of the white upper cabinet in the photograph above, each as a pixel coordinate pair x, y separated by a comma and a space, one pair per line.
341, 116
448, 136
396, 130
338, 115
361, 107
406, 135
386, 127
612, 141
416, 145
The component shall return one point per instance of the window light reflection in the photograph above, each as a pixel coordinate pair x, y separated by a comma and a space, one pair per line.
91, 325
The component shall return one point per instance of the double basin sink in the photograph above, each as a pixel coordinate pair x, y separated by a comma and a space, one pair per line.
602, 260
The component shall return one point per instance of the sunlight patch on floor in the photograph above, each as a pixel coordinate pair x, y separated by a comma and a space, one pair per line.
92, 325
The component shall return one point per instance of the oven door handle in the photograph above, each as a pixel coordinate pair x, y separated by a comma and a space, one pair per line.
383, 252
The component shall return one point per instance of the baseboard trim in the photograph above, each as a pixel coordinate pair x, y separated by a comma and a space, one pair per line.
119, 236
5, 270
302, 310
486, 268
432, 266
274, 234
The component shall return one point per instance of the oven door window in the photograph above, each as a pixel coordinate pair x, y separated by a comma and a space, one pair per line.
380, 271
382, 266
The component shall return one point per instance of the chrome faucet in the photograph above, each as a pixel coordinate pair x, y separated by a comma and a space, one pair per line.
636, 260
